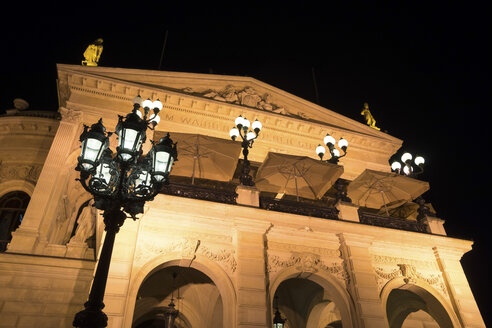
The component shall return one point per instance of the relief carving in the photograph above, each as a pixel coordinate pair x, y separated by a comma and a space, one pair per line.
247, 96
386, 271
307, 262
70, 115
188, 249
20, 172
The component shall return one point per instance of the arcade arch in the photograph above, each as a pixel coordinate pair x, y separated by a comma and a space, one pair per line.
206, 293
312, 300
194, 295
406, 303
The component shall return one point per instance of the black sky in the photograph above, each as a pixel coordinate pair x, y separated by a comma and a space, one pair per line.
423, 68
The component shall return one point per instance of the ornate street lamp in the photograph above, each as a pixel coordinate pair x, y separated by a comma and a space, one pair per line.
121, 184
408, 168
248, 137
329, 141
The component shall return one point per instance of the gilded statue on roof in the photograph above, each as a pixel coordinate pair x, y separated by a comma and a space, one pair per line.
368, 117
93, 53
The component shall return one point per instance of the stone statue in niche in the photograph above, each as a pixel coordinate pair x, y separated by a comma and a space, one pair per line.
86, 224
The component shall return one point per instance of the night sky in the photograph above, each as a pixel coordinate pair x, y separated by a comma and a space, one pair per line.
424, 69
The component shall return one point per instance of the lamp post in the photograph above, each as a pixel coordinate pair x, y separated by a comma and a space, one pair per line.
248, 137
408, 168
329, 141
121, 184
278, 321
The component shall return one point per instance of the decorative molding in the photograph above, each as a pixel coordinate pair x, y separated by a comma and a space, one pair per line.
13, 171
188, 249
325, 252
307, 262
248, 97
391, 268
70, 115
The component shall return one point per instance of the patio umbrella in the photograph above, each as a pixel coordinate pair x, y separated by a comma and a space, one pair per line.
205, 157
375, 189
296, 175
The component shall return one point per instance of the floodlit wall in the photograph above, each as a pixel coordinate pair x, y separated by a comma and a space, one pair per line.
247, 252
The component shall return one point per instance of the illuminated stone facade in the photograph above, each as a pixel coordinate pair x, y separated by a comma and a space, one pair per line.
231, 258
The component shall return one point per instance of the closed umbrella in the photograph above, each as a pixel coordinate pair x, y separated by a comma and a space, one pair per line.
296, 175
375, 189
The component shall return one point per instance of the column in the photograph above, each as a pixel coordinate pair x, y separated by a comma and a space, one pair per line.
251, 282
363, 281
459, 290
30, 233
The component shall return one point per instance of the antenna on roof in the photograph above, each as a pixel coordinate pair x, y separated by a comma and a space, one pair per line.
315, 86
163, 48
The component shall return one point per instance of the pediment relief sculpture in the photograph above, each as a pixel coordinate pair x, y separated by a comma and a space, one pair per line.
247, 96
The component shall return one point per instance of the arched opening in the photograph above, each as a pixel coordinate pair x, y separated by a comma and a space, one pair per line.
195, 296
413, 306
12, 208
306, 304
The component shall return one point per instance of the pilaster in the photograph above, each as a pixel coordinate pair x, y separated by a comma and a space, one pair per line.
459, 290
363, 281
31, 235
250, 280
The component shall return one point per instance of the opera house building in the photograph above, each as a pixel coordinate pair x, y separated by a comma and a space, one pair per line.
281, 238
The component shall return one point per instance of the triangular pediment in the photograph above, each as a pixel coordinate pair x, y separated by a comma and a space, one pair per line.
238, 90
208, 104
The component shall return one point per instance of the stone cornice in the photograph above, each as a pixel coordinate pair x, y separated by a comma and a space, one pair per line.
100, 96
26, 125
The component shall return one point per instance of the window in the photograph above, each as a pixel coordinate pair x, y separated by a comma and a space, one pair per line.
12, 208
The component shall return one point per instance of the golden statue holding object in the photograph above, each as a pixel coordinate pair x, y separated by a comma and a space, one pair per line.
368, 117
93, 53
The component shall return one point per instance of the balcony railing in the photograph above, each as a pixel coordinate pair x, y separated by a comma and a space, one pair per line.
198, 192
299, 208
225, 194
391, 222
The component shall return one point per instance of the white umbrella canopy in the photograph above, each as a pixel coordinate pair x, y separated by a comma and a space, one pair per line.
296, 175
205, 157
375, 189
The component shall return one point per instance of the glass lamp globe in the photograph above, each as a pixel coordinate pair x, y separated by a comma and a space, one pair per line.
395, 166
137, 101
147, 103
406, 157
406, 170
250, 136
239, 121
336, 153
329, 140
343, 143
419, 160
155, 119
246, 123
234, 133
157, 105
256, 126
320, 150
